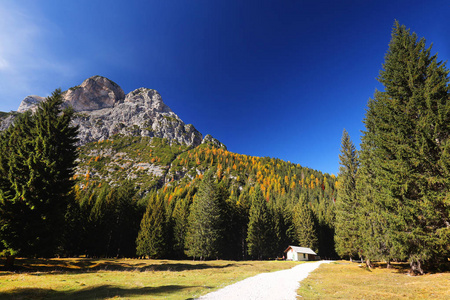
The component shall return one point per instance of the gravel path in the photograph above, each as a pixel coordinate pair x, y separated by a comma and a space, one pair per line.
279, 285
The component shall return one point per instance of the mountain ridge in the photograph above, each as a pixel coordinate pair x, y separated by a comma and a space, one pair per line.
103, 110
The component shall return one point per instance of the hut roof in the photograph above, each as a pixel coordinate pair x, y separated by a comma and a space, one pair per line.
301, 250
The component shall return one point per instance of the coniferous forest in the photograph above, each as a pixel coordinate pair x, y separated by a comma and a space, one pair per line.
390, 201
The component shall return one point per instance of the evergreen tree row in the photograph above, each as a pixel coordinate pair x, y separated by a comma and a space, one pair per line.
217, 190
219, 227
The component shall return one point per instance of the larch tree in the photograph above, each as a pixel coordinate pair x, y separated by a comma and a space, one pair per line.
346, 225
407, 143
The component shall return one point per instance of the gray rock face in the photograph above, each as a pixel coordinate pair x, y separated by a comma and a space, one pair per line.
6, 122
143, 113
103, 110
94, 93
30, 103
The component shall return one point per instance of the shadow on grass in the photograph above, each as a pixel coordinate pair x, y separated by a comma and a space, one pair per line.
98, 292
83, 265
404, 267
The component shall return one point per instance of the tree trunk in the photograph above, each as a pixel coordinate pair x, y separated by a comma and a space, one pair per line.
388, 264
9, 262
368, 264
415, 268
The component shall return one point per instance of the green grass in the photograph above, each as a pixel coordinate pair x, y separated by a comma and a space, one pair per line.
125, 278
345, 280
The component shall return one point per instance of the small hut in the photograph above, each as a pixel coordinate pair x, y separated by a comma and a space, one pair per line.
299, 253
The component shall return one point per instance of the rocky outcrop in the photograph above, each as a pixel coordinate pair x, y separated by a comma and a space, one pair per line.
94, 93
30, 103
103, 110
143, 113
208, 139
7, 121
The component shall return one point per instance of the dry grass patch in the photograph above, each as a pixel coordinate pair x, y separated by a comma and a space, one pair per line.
345, 280
125, 278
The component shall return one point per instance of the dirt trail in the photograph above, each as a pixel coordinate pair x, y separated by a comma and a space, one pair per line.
280, 285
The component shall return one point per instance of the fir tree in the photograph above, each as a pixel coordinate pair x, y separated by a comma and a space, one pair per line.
347, 234
152, 237
204, 235
260, 233
180, 223
407, 141
303, 225
37, 162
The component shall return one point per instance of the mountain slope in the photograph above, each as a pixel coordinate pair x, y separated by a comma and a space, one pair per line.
135, 144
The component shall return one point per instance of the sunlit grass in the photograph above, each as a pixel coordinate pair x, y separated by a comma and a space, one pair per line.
345, 280
125, 278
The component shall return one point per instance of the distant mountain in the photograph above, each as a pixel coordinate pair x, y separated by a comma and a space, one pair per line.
103, 110
104, 113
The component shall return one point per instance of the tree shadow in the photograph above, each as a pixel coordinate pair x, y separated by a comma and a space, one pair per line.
404, 267
98, 292
83, 265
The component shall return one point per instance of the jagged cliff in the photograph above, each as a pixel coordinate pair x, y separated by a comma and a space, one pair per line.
103, 110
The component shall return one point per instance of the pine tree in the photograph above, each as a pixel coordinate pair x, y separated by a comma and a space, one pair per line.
204, 235
407, 143
180, 223
303, 225
347, 234
152, 237
124, 216
260, 233
37, 162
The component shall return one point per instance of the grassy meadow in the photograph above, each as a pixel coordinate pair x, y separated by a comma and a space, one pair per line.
125, 278
350, 280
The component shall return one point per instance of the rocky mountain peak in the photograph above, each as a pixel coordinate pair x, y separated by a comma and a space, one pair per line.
30, 103
103, 110
149, 98
94, 93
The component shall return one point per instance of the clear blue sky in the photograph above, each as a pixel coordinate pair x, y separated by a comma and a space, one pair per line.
266, 78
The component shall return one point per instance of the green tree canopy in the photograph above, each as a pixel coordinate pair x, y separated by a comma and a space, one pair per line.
406, 160
37, 161
347, 227
260, 233
205, 232
303, 223
153, 236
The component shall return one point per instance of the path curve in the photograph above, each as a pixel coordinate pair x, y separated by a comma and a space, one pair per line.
279, 285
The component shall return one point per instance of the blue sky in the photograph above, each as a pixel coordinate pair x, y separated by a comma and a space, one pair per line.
267, 78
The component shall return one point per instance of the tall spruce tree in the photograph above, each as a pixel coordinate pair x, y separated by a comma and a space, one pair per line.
260, 233
303, 225
180, 223
406, 160
152, 237
37, 161
205, 231
347, 227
